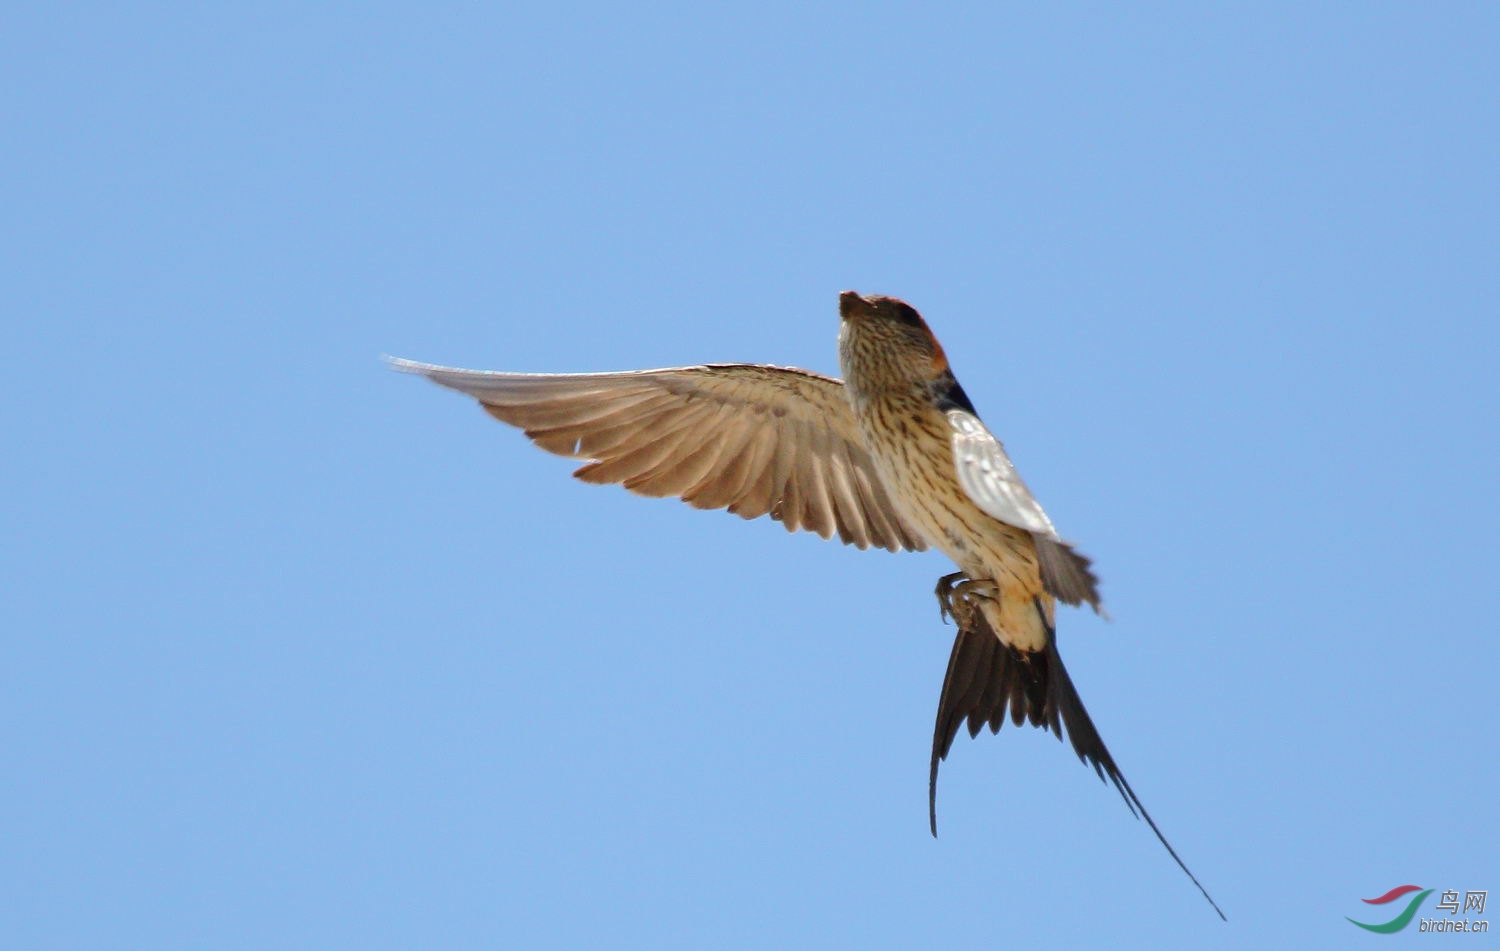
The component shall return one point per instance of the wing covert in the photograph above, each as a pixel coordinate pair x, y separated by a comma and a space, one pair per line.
990, 478
757, 440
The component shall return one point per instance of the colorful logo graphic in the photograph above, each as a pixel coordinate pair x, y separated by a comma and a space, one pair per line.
1401, 920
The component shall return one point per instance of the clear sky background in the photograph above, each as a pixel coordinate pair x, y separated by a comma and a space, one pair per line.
302, 653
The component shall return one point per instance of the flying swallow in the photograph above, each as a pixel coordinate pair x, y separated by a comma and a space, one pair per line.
893, 456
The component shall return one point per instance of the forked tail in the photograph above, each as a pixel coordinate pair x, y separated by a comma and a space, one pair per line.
988, 681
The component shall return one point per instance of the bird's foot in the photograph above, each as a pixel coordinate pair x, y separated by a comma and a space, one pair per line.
944, 592
958, 595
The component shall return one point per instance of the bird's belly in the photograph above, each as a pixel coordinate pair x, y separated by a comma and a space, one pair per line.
920, 475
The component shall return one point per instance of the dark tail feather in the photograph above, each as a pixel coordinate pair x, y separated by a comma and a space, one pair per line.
985, 677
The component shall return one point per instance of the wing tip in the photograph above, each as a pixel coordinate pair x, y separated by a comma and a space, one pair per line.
475, 383
403, 365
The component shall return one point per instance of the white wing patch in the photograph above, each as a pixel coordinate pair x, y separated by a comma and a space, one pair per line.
990, 479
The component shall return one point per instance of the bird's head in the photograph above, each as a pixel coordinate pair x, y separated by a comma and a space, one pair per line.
885, 344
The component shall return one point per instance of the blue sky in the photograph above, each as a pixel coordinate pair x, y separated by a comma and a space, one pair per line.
303, 653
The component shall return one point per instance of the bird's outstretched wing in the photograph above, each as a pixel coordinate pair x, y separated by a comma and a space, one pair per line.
990, 479
988, 681
757, 440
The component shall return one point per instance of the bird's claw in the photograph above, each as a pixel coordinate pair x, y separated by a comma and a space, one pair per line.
957, 594
944, 592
